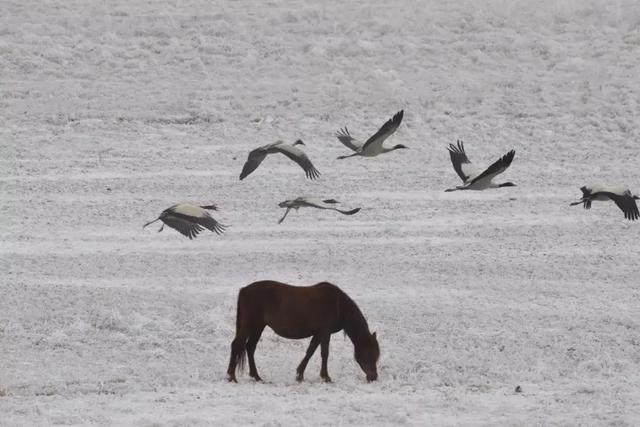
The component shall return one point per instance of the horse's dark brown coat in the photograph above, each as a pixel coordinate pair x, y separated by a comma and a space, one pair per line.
300, 312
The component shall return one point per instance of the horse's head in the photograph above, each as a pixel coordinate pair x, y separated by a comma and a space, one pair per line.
367, 356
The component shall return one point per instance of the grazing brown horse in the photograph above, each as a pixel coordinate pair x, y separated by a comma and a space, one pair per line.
300, 312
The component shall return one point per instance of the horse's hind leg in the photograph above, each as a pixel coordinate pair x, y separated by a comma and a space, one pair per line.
315, 341
324, 352
252, 343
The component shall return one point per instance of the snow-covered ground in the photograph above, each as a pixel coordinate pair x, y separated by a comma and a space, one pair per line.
112, 111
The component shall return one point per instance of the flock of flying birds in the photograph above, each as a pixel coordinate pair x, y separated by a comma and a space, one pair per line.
189, 219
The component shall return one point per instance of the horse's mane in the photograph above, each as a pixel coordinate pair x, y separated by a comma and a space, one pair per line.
353, 317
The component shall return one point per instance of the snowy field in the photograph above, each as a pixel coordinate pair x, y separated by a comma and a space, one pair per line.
111, 112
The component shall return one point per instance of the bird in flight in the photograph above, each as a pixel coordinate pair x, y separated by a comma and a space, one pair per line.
290, 150
621, 196
372, 146
189, 219
302, 202
474, 179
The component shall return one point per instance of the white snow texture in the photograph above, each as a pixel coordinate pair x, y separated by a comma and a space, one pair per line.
112, 111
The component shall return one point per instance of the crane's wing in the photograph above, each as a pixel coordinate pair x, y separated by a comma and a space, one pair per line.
627, 204
385, 131
351, 212
182, 225
253, 161
327, 204
460, 161
496, 168
300, 158
345, 137
208, 222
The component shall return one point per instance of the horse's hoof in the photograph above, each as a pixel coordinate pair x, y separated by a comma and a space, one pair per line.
327, 379
299, 378
232, 380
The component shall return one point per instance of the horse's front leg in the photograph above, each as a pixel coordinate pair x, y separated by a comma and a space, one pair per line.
315, 341
324, 352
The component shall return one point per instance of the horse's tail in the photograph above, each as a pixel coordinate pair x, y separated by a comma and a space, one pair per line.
240, 359
242, 354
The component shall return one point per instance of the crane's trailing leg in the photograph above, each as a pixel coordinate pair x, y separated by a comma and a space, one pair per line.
151, 222
284, 216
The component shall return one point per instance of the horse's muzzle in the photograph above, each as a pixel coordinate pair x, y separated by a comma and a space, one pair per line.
372, 377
